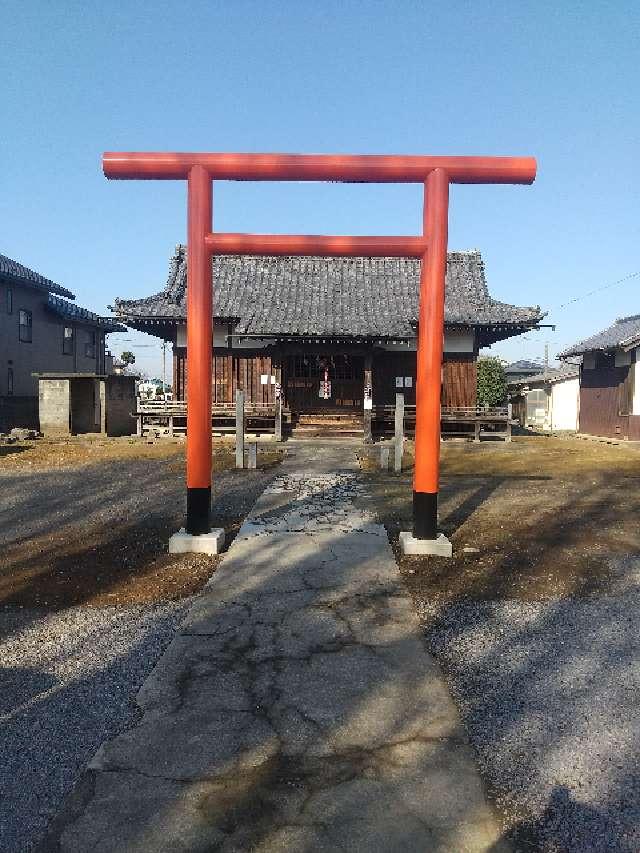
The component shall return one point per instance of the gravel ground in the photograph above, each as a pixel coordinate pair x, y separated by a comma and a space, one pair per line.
536, 623
89, 536
549, 692
68, 682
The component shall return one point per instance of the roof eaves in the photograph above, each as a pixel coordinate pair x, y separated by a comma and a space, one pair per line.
71, 311
19, 274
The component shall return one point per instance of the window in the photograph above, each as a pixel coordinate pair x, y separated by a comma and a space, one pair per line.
9, 381
90, 345
67, 340
25, 332
9, 300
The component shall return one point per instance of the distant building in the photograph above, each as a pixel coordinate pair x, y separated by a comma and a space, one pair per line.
153, 389
549, 400
42, 330
610, 380
519, 370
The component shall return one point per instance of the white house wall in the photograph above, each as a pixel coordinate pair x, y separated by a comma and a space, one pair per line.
565, 400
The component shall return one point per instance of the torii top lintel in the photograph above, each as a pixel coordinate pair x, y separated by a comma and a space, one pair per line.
345, 168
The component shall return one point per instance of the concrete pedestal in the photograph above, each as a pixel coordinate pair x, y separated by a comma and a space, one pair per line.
440, 547
202, 543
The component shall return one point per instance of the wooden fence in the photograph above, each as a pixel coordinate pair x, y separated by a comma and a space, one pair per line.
456, 421
169, 417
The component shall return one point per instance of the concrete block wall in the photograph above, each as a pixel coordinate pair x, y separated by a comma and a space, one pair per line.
55, 407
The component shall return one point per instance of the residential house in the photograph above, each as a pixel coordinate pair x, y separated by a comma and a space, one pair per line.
548, 400
519, 370
609, 381
42, 330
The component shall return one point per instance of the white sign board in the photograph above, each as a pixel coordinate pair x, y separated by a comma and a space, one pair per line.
264, 379
399, 382
408, 381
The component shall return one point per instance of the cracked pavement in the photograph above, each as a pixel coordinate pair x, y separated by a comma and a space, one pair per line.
297, 707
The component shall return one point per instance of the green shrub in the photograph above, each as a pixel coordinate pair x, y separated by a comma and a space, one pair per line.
492, 384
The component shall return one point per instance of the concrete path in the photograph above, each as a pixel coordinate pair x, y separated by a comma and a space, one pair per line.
297, 708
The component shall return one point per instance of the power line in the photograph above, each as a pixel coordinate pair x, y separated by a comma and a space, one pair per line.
597, 290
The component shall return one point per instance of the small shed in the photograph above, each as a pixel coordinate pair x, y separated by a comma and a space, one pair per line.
549, 400
80, 403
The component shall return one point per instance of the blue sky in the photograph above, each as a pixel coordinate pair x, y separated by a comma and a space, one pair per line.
560, 81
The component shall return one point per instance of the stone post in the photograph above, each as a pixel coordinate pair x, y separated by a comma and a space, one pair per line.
368, 398
252, 455
398, 434
385, 451
278, 425
239, 429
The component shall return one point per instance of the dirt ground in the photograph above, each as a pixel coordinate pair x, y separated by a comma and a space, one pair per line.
88, 521
42, 453
534, 519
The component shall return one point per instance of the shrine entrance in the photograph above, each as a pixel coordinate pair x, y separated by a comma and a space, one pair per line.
323, 382
435, 174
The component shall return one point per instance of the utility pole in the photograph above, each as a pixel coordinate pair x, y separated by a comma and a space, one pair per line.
546, 359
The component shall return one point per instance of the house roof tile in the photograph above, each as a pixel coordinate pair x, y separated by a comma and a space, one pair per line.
82, 315
553, 374
17, 272
624, 332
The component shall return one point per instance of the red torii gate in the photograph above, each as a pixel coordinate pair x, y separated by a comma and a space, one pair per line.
436, 173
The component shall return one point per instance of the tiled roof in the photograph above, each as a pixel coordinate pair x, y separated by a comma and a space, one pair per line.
521, 368
553, 374
82, 315
19, 273
348, 297
624, 332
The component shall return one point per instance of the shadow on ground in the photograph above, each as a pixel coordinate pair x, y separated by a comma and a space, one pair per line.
98, 535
